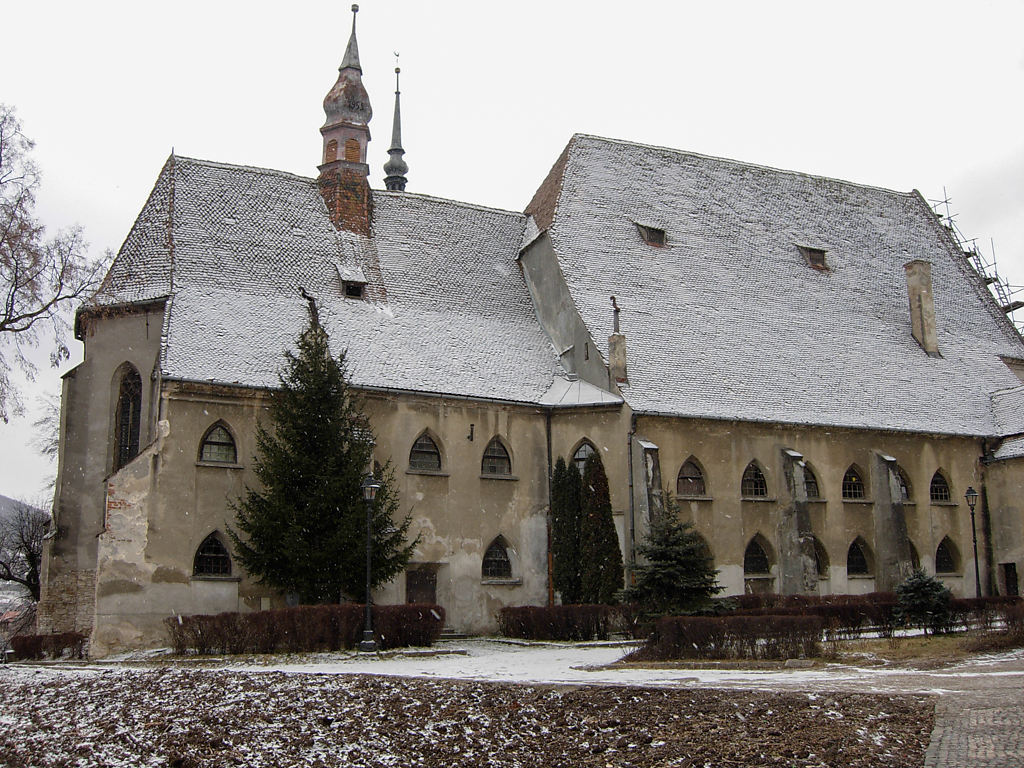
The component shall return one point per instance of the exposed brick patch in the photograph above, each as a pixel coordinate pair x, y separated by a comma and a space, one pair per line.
69, 602
346, 192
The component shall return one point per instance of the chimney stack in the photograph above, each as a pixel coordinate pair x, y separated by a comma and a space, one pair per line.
617, 350
922, 305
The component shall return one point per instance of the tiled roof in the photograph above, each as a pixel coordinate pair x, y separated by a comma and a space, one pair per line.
448, 310
728, 321
1008, 410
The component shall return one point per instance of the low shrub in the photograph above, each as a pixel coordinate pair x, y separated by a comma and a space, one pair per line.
304, 629
563, 622
924, 601
733, 637
52, 646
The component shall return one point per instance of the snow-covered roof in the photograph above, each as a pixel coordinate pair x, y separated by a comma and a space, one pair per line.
447, 310
728, 320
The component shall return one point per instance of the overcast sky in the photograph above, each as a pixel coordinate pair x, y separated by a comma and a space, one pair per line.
907, 95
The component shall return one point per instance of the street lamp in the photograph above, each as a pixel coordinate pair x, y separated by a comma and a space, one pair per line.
972, 499
370, 487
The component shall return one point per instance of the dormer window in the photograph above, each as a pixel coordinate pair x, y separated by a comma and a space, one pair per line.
651, 235
353, 290
815, 257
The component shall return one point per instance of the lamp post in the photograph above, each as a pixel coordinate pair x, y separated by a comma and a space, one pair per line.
972, 499
370, 487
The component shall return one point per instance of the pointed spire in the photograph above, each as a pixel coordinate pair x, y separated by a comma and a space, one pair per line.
351, 60
396, 168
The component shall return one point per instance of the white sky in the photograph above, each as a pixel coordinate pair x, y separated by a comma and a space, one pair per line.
908, 95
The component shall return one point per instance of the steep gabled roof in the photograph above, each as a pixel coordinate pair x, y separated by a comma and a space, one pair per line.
727, 320
448, 311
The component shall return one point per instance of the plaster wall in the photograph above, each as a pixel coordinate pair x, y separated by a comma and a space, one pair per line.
1004, 485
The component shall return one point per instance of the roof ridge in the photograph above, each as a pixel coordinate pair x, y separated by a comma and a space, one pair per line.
460, 203
241, 167
741, 163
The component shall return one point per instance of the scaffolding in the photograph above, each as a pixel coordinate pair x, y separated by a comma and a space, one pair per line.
1004, 294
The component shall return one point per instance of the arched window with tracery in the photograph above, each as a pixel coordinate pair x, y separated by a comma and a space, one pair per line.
858, 558
811, 483
906, 490
582, 454
425, 455
947, 558
218, 446
755, 559
212, 558
753, 483
853, 483
690, 481
496, 460
939, 488
497, 564
127, 416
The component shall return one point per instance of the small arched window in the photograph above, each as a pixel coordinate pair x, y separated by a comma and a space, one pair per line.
425, 454
755, 559
811, 483
853, 483
127, 416
332, 151
753, 482
820, 559
352, 150
690, 481
858, 558
939, 488
904, 482
218, 446
212, 558
946, 559
496, 460
496, 564
582, 453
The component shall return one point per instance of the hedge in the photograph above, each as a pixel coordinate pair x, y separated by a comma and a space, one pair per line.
53, 646
304, 629
563, 622
733, 637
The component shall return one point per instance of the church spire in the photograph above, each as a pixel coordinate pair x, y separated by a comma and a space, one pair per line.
396, 168
344, 173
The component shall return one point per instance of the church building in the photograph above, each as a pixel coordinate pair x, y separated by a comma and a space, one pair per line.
811, 368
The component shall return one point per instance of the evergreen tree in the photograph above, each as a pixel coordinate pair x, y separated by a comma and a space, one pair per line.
565, 531
678, 575
305, 528
600, 557
924, 601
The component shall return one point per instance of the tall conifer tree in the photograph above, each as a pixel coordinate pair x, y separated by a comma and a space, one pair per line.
601, 574
304, 529
565, 531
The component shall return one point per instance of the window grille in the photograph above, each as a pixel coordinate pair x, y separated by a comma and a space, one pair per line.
753, 482
580, 457
127, 417
496, 460
755, 560
212, 558
496, 563
939, 489
811, 484
425, 455
218, 446
857, 560
691, 480
853, 484
945, 557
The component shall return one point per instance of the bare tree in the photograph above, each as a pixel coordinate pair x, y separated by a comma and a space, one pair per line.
40, 276
22, 529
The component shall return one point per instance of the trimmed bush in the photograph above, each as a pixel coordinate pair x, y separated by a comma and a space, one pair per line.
304, 629
924, 601
562, 622
52, 646
733, 637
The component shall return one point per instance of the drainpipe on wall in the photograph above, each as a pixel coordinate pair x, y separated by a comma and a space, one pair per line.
632, 523
551, 565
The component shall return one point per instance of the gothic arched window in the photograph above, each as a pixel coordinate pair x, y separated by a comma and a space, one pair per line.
853, 483
582, 453
811, 483
820, 559
755, 559
946, 560
858, 558
218, 446
904, 481
496, 460
425, 454
690, 481
753, 482
127, 415
939, 488
212, 558
496, 564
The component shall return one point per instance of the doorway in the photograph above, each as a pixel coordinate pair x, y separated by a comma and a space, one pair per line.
421, 585
1010, 585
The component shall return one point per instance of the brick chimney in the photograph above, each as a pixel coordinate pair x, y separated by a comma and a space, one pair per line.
922, 305
344, 174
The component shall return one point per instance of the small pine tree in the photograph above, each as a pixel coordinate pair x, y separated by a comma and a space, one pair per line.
678, 575
924, 601
565, 531
601, 573
304, 530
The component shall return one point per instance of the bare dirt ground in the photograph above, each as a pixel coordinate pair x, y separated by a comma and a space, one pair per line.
187, 718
